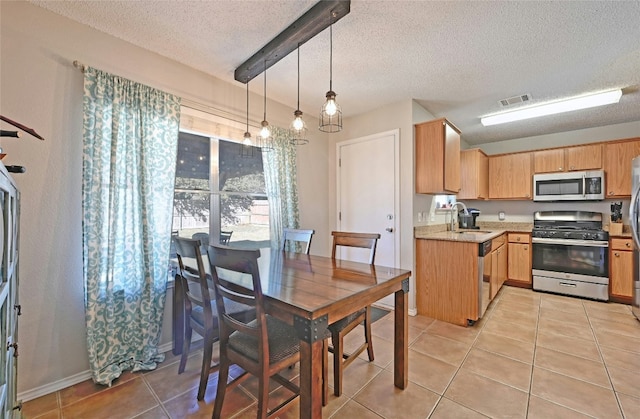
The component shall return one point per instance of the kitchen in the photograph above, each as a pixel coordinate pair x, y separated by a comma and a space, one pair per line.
569, 248
40, 46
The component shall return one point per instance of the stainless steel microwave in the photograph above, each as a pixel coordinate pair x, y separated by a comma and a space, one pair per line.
569, 186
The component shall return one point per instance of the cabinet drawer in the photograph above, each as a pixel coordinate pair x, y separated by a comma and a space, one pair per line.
498, 241
519, 238
621, 244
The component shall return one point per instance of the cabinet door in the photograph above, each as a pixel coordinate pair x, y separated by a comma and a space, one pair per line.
510, 176
474, 174
502, 266
586, 157
547, 161
437, 158
495, 278
519, 262
617, 166
621, 274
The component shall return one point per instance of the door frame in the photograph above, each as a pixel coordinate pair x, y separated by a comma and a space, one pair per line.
395, 133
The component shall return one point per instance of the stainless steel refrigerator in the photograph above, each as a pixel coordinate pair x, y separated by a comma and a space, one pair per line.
634, 222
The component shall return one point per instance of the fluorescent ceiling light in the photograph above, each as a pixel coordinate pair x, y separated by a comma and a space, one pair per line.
571, 104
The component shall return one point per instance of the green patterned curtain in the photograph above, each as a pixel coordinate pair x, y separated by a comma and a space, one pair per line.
282, 185
129, 154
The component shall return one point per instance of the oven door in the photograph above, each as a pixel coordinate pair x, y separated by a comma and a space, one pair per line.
577, 257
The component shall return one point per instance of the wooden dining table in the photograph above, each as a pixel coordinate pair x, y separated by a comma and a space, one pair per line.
310, 292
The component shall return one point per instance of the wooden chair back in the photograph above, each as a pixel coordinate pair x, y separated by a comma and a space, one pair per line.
236, 278
361, 240
292, 236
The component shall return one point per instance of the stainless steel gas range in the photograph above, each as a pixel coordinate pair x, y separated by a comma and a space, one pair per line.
570, 254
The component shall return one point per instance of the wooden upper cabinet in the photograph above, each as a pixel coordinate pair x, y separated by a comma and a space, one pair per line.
510, 176
474, 170
584, 157
617, 166
437, 151
548, 161
587, 157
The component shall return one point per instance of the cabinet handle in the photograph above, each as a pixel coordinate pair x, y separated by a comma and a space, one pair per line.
628, 244
610, 192
560, 168
616, 254
526, 248
518, 239
572, 167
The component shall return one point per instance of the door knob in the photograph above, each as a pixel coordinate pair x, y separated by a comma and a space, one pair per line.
389, 229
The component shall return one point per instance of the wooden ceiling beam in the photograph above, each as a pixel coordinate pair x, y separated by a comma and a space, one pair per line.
314, 21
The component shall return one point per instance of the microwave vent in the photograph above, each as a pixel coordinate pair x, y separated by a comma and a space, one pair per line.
515, 99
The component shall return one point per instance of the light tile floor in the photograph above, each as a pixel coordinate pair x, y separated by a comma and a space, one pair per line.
533, 355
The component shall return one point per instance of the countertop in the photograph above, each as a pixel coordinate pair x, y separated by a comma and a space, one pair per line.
487, 231
472, 236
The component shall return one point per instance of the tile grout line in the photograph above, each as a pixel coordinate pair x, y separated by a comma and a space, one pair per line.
155, 396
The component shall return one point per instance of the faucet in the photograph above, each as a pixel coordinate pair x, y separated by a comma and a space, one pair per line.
453, 208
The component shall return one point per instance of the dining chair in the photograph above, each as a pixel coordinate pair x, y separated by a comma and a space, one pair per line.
262, 347
199, 313
293, 236
225, 237
343, 326
204, 241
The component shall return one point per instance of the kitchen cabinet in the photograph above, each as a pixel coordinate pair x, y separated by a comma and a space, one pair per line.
437, 157
617, 166
474, 170
587, 157
519, 259
498, 265
510, 176
447, 280
621, 270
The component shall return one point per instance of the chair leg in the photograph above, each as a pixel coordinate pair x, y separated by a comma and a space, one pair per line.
338, 354
263, 395
186, 346
325, 372
223, 375
367, 333
206, 366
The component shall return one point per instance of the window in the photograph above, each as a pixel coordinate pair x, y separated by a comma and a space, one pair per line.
220, 194
444, 202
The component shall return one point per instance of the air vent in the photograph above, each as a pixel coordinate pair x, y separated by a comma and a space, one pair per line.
515, 99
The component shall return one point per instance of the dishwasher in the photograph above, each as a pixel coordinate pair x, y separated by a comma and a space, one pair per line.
484, 277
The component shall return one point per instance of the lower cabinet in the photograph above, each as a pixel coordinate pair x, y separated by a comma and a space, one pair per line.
621, 270
519, 259
498, 265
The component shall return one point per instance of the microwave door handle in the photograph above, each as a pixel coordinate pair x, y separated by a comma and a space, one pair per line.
633, 215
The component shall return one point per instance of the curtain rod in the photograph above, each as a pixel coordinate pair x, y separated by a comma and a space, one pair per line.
189, 103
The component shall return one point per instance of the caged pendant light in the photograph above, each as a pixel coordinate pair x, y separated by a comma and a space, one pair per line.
298, 128
331, 114
265, 140
246, 148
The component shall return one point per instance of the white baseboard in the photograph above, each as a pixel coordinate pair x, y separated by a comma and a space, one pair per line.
53, 387
69, 381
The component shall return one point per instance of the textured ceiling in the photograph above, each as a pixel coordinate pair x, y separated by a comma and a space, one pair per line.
457, 58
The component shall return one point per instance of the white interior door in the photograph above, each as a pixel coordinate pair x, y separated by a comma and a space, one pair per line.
368, 196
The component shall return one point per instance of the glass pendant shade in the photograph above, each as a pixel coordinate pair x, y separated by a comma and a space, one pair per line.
330, 115
246, 148
298, 129
265, 141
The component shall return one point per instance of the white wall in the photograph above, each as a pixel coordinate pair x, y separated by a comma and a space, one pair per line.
41, 89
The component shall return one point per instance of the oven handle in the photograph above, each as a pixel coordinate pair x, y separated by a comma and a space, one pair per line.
571, 242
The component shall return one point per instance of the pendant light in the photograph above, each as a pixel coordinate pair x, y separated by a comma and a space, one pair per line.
331, 114
298, 128
246, 148
265, 141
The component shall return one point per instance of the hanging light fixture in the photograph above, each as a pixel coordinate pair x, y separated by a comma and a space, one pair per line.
246, 148
298, 128
265, 139
331, 114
